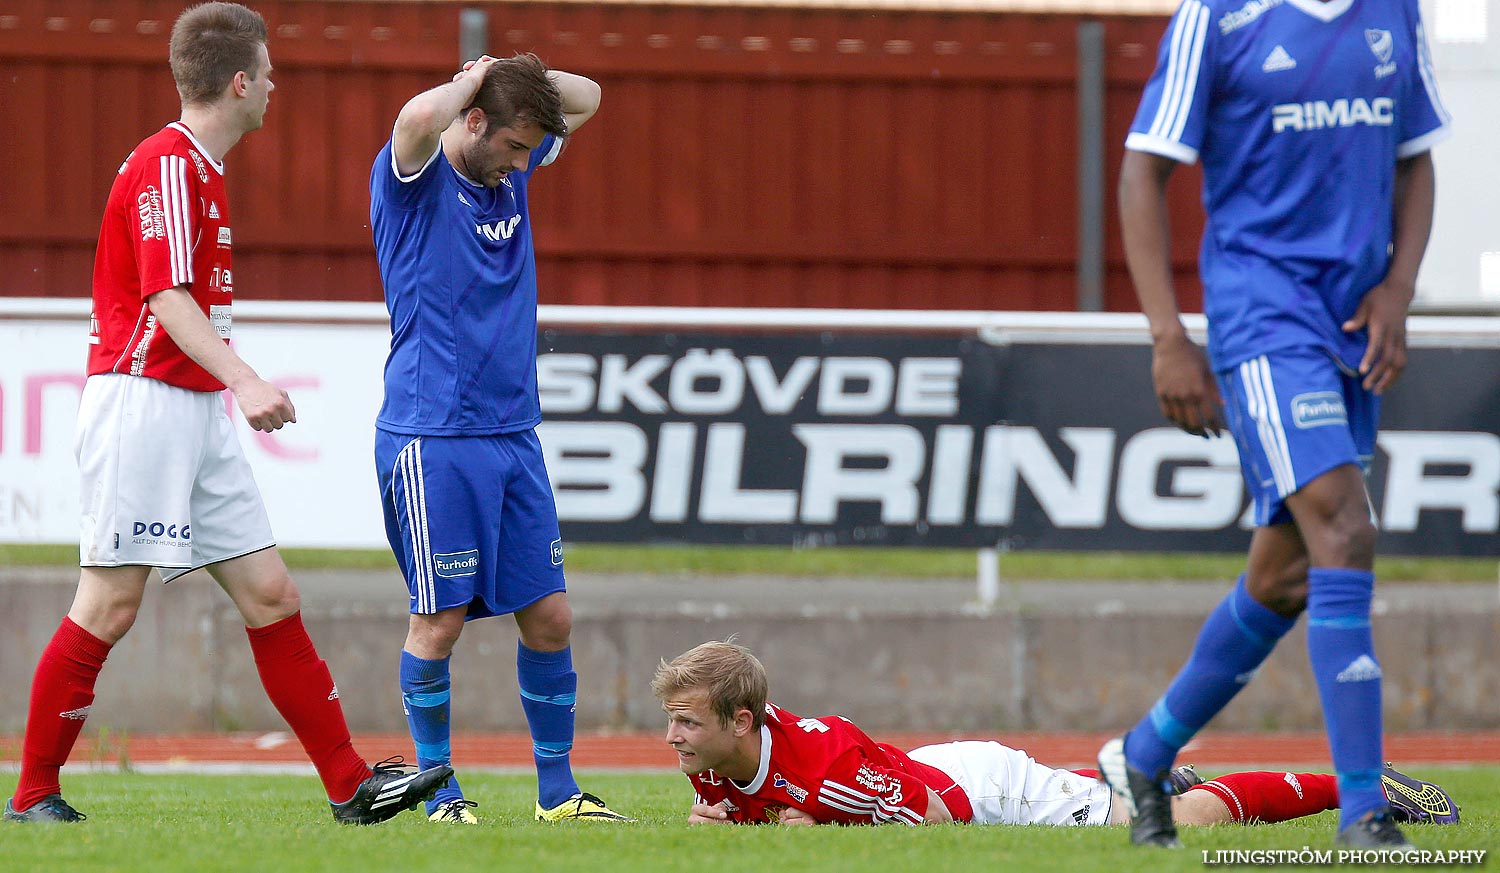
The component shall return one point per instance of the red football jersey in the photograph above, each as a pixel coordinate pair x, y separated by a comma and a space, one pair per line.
166, 224
831, 770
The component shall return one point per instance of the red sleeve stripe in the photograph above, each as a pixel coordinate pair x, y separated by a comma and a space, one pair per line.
178, 215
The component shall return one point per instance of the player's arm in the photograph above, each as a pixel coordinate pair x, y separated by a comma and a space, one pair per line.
937, 810
937, 813
1185, 387
708, 813
423, 119
580, 97
857, 790
1384, 308
265, 406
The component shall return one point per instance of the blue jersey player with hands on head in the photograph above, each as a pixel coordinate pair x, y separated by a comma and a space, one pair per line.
1313, 121
469, 510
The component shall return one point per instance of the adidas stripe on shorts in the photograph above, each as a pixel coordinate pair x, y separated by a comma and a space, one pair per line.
1295, 414
471, 520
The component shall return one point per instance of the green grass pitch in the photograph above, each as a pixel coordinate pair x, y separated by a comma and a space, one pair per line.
270, 824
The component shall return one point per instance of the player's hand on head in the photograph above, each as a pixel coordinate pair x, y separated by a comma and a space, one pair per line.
265, 407
1185, 387
1383, 311
483, 62
703, 813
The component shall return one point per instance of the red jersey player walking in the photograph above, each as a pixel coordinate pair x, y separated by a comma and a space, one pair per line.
752, 762
164, 482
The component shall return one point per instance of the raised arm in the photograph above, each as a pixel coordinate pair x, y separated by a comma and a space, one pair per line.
424, 117
1185, 387
580, 97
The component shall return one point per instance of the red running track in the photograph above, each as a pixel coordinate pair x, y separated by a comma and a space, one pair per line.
634, 751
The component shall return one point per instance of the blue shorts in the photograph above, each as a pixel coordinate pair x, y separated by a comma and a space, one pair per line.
1295, 415
472, 520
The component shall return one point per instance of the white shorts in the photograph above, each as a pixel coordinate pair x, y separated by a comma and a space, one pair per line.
163, 482
1005, 786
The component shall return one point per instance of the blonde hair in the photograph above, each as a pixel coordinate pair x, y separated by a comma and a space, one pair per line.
732, 677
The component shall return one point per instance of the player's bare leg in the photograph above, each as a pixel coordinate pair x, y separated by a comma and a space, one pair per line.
108, 599
434, 636
1276, 570
1200, 808
1191, 808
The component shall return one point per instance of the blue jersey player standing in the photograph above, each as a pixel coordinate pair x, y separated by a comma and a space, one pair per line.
1313, 121
469, 510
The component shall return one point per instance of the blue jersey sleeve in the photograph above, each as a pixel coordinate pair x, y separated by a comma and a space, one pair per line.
1423, 121
545, 153
387, 185
1172, 118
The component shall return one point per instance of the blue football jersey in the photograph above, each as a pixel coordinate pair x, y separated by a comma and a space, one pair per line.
459, 272
1299, 110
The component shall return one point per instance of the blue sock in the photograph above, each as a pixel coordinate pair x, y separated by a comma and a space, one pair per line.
549, 688
424, 696
1235, 639
1342, 652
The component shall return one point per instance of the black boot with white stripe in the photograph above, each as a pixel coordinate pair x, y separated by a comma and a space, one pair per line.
389, 790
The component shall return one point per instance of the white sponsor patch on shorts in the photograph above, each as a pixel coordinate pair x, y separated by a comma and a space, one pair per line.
454, 564
1318, 408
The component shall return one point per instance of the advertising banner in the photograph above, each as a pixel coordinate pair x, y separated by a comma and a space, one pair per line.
949, 441
799, 437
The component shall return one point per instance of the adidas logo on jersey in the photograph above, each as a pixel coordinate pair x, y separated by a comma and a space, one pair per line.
1361, 669
1278, 60
213, 210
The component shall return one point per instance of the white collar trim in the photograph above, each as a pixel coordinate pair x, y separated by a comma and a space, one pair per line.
217, 165
1324, 12
765, 763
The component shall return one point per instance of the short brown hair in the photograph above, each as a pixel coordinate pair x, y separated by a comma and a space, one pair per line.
518, 91
733, 678
210, 43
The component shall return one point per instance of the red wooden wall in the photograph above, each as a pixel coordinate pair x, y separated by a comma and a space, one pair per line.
742, 157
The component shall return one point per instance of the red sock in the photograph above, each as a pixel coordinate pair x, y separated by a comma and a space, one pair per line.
61, 694
1272, 797
299, 684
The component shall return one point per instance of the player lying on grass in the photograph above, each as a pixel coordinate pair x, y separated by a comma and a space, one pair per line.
751, 762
